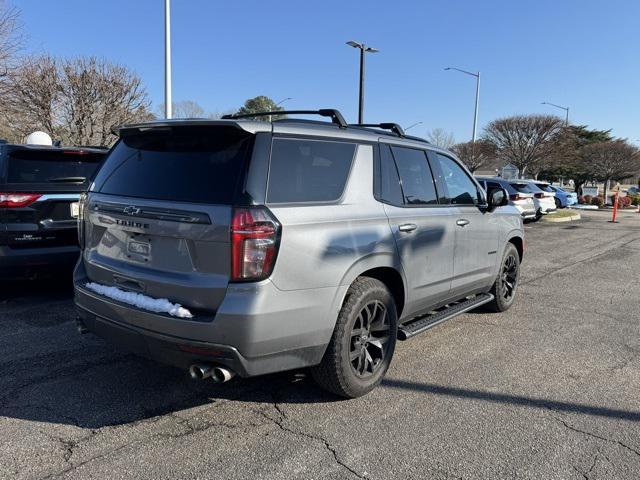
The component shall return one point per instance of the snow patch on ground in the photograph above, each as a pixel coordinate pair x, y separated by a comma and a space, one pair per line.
160, 305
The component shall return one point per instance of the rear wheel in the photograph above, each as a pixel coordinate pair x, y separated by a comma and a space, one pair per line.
363, 341
506, 285
538, 215
558, 203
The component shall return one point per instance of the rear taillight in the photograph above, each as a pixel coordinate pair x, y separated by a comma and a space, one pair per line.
514, 197
17, 200
254, 243
538, 195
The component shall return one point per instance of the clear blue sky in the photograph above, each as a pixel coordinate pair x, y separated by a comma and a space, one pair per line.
584, 54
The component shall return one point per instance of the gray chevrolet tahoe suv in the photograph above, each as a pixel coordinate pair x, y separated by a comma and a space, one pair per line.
237, 246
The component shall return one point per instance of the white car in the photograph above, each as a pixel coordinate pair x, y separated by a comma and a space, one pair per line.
544, 202
522, 201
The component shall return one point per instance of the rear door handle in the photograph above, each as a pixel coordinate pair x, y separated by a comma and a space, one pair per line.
462, 222
407, 227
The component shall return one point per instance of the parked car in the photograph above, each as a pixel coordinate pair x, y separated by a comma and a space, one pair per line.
544, 202
633, 191
40, 187
563, 198
523, 202
241, 247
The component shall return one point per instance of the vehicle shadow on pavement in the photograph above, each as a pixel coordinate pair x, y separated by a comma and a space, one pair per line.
92, 385
506, 398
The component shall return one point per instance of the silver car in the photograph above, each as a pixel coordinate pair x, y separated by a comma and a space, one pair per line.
246, 247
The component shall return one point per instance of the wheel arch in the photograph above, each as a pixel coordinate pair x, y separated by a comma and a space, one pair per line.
518, 242
383, 267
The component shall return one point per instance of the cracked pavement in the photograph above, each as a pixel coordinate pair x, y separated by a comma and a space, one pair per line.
547, 390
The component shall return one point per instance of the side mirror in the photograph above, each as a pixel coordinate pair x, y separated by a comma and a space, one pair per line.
496, 197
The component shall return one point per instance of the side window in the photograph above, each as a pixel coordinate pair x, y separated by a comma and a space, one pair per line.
418, 187
462, 190
308, 170
390, 190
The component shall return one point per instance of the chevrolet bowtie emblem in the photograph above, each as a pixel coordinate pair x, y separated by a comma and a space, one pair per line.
131, 210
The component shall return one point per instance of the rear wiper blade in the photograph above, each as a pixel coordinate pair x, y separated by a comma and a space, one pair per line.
67, 180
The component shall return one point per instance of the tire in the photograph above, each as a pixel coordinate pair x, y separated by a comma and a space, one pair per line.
506, 285
538, 215
350, 367
558, 203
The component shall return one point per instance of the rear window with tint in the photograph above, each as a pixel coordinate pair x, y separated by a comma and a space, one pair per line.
308, 170
525, 187
544, 187
184, 164
55, 166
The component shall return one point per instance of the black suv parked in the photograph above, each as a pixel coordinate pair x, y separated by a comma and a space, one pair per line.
39, 191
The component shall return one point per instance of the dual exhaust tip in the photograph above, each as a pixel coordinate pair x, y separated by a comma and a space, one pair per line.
217, 374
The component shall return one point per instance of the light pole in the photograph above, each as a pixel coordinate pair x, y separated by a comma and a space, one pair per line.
566, 111
279, 103
167, 59
363, 49
475, 113
413, 125
282, 101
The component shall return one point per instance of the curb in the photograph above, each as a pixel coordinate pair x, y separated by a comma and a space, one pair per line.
551, 219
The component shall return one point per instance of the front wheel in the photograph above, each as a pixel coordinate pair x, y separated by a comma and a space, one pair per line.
506, 285
363, 341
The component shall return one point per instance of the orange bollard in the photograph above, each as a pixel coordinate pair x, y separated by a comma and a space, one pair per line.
615, 208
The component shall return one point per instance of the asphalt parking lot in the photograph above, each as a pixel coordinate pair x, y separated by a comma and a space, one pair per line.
547, 390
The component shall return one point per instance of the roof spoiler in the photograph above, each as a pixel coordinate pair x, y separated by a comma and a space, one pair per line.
335, 115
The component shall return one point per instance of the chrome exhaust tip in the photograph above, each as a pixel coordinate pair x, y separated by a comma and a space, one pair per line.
200, 372
221, 375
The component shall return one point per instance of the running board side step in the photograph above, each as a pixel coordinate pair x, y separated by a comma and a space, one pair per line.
415, 327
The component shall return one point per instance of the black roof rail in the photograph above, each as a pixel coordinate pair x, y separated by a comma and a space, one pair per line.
336, 116
394, 127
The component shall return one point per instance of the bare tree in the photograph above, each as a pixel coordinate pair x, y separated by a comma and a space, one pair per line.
31, 96
524, 140
10, 38
76, 101
613, 160
441, 138
475, 155
184, 109
96, 95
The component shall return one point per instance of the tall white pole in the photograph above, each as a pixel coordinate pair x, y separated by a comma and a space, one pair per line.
167, 59
475, 115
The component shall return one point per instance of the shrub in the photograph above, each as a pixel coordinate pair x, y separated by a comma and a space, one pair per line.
587, 199
635, 199
624, 202
581, 199
597, 201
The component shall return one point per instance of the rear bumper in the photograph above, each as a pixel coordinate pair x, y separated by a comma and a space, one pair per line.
257, 329
24, 261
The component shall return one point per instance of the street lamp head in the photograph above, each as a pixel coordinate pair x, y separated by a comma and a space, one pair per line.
371, 50
353, 44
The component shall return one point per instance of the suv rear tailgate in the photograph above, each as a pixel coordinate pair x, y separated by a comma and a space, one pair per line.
157, 218
177, 251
